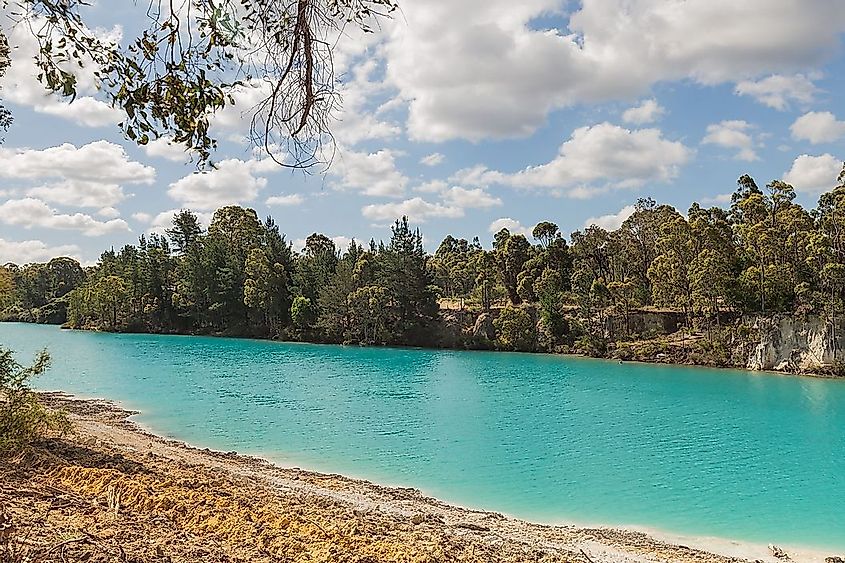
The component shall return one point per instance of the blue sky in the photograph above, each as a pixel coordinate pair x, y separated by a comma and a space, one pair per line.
467, 116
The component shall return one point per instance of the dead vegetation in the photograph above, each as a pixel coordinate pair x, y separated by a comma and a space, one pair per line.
71, 503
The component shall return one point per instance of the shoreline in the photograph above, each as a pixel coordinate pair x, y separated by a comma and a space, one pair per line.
567, 355
103, 424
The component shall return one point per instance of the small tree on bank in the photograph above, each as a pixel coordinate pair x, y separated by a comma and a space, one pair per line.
23, 419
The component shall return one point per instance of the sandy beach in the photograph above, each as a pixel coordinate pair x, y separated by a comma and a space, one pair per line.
114, 492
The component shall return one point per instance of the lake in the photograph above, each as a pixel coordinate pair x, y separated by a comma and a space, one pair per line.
731, 454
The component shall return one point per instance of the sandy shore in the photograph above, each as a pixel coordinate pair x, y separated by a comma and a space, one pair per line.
114, 492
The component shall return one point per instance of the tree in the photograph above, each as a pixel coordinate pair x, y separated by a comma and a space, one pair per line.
484, 264
710, 280
369, 307
110, 300
315, 266
454, 267
185, 231
545, 232
7, 288
193, 57
335, 314
65, 275
5, 62
668, 271
23, 420
638, 243
403, 269
302, 313
511, 252
257, 282
549, 289
625, 298
515, 330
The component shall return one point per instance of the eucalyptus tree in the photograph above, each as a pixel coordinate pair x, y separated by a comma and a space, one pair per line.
5, 62
315, 266
511, 253
191, 57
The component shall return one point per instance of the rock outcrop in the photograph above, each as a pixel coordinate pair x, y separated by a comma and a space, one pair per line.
796, 345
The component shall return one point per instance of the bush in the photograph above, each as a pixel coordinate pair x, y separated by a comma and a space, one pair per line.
516, 330
302, 313
23, 419
591, 345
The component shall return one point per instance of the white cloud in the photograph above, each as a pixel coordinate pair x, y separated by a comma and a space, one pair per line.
86, 111
86, 176
109, 213
416, 209
100, 161
612, 221
778, 91
818, 127
79, 193
470, 198
142, 217
512, 225
433, 159
369, 173
340, 242
733, 135
504, 75
233, 121
27, 251
595, 159
648, 111
432, 187
814, 174
164, 220
291, 200
718, 199
21, 86
30, 212
354, 123
231, 182
165, 148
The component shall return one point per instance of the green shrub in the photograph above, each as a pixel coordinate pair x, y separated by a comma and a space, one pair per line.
591, 345
515, 330
23, 419
302, 313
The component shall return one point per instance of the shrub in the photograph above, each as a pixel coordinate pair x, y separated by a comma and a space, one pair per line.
23, 419
302, 313
516, 330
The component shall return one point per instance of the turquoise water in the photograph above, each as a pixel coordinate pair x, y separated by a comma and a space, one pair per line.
752, 457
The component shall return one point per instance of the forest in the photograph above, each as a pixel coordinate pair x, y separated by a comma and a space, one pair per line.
765, 255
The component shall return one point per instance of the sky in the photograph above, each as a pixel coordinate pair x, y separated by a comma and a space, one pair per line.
467, 116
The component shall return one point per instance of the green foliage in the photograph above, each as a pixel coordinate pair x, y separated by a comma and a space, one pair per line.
187, 64
370, 312
23, 420
515, 330
5, 62
39, 292
765, 254
302, 312
511, 253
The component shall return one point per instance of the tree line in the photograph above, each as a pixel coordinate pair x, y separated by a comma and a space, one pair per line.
764, 254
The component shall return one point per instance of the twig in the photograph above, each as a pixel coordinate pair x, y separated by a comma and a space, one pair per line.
587, 557
64, 543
